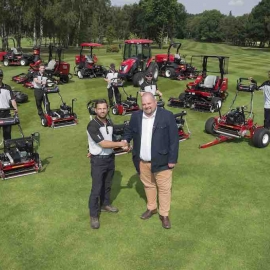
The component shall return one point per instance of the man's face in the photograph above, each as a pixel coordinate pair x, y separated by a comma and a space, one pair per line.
101, 110
42, 69
149, 104
149, 78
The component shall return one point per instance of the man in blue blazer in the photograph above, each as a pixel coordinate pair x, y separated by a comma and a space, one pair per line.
155, 152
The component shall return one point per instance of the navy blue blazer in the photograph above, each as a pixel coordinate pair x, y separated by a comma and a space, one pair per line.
165, 139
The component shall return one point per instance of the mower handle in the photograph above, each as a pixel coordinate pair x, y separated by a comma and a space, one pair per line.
180, 114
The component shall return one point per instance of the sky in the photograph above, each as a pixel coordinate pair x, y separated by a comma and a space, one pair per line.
238, 7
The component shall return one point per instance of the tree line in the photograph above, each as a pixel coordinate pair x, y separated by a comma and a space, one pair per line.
71, 22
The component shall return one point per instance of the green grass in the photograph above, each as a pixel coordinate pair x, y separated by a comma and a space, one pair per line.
220, 203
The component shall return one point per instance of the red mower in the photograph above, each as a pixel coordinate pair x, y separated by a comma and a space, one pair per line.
207, 92
238, 123
56, 118
86, 65
174, 66
19, 155
123, 107
138, 60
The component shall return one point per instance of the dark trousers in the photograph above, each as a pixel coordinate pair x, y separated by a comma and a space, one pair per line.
102, 171
6, 129
115, 91
267, 118
39, 96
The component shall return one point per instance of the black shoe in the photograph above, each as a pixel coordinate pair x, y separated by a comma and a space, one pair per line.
94, 222
109, 208
166, 224
148, 213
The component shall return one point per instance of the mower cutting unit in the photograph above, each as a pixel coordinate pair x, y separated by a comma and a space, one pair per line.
86, 65
137, 60
123, 107
173, 66
56, 118
238, 123
118, 130
19, 157
207, 92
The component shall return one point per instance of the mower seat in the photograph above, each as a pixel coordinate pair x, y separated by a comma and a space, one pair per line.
51, 65
209, 81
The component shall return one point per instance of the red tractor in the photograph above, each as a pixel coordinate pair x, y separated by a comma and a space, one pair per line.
137, 59
174, 66
207, 92
238, 123
86, 66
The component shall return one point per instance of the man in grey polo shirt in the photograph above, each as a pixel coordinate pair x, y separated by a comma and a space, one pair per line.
99, 132
6, 95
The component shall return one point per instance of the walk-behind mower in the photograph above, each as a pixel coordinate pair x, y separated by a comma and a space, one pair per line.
86, 65
181, 122
126, 106
118, 129
56, 118
19, 156
208, 91
238, 122
174, 66
137, 60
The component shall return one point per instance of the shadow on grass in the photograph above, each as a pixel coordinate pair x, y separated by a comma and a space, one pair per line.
134, 180
45, 162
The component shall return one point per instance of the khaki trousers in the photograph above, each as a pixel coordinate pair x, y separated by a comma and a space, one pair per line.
156, 183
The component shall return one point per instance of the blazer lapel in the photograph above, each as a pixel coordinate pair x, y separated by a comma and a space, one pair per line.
156, 120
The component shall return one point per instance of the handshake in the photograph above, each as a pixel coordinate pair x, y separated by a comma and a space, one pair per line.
125, 146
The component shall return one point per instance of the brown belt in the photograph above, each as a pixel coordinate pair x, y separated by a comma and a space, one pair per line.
145, 161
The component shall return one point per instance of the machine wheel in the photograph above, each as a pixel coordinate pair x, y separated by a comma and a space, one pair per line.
64, 78
169, 72
80, 75
23, 62
76, 68
261, 137
216, 104
138, 79
209, 126
182, 96
44, 122
115, 110
153, 67
6, 63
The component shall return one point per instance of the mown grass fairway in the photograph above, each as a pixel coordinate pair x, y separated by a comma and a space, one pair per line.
220, 204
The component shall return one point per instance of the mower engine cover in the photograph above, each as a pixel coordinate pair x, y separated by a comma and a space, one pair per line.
235, 117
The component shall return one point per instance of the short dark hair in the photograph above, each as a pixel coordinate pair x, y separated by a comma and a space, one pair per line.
101, 101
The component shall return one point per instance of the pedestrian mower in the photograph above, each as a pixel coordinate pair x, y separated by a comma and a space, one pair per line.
238, 122
208, 91
118, 129
174, 66
86, 65
19, 156
137, 60
123, 107
56, 118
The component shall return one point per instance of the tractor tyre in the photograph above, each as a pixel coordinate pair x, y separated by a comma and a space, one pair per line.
6, 63
209, 126
44, 122
23, 62
64, 78
153, 67
80, 74
182, 96
216, 104
138, 79
261, 137
115, 110
169, 72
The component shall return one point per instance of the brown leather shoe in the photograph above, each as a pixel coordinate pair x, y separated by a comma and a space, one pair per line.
148, 213
166, 224
94, 222
109, 208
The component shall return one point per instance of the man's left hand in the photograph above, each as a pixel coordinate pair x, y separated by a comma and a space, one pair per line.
171, 165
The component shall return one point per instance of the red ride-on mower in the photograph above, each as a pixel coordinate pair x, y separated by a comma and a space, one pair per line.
122, 107
208, 91
137, 60
19, 155
173, 66
56, 118
86, 65
238, 123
